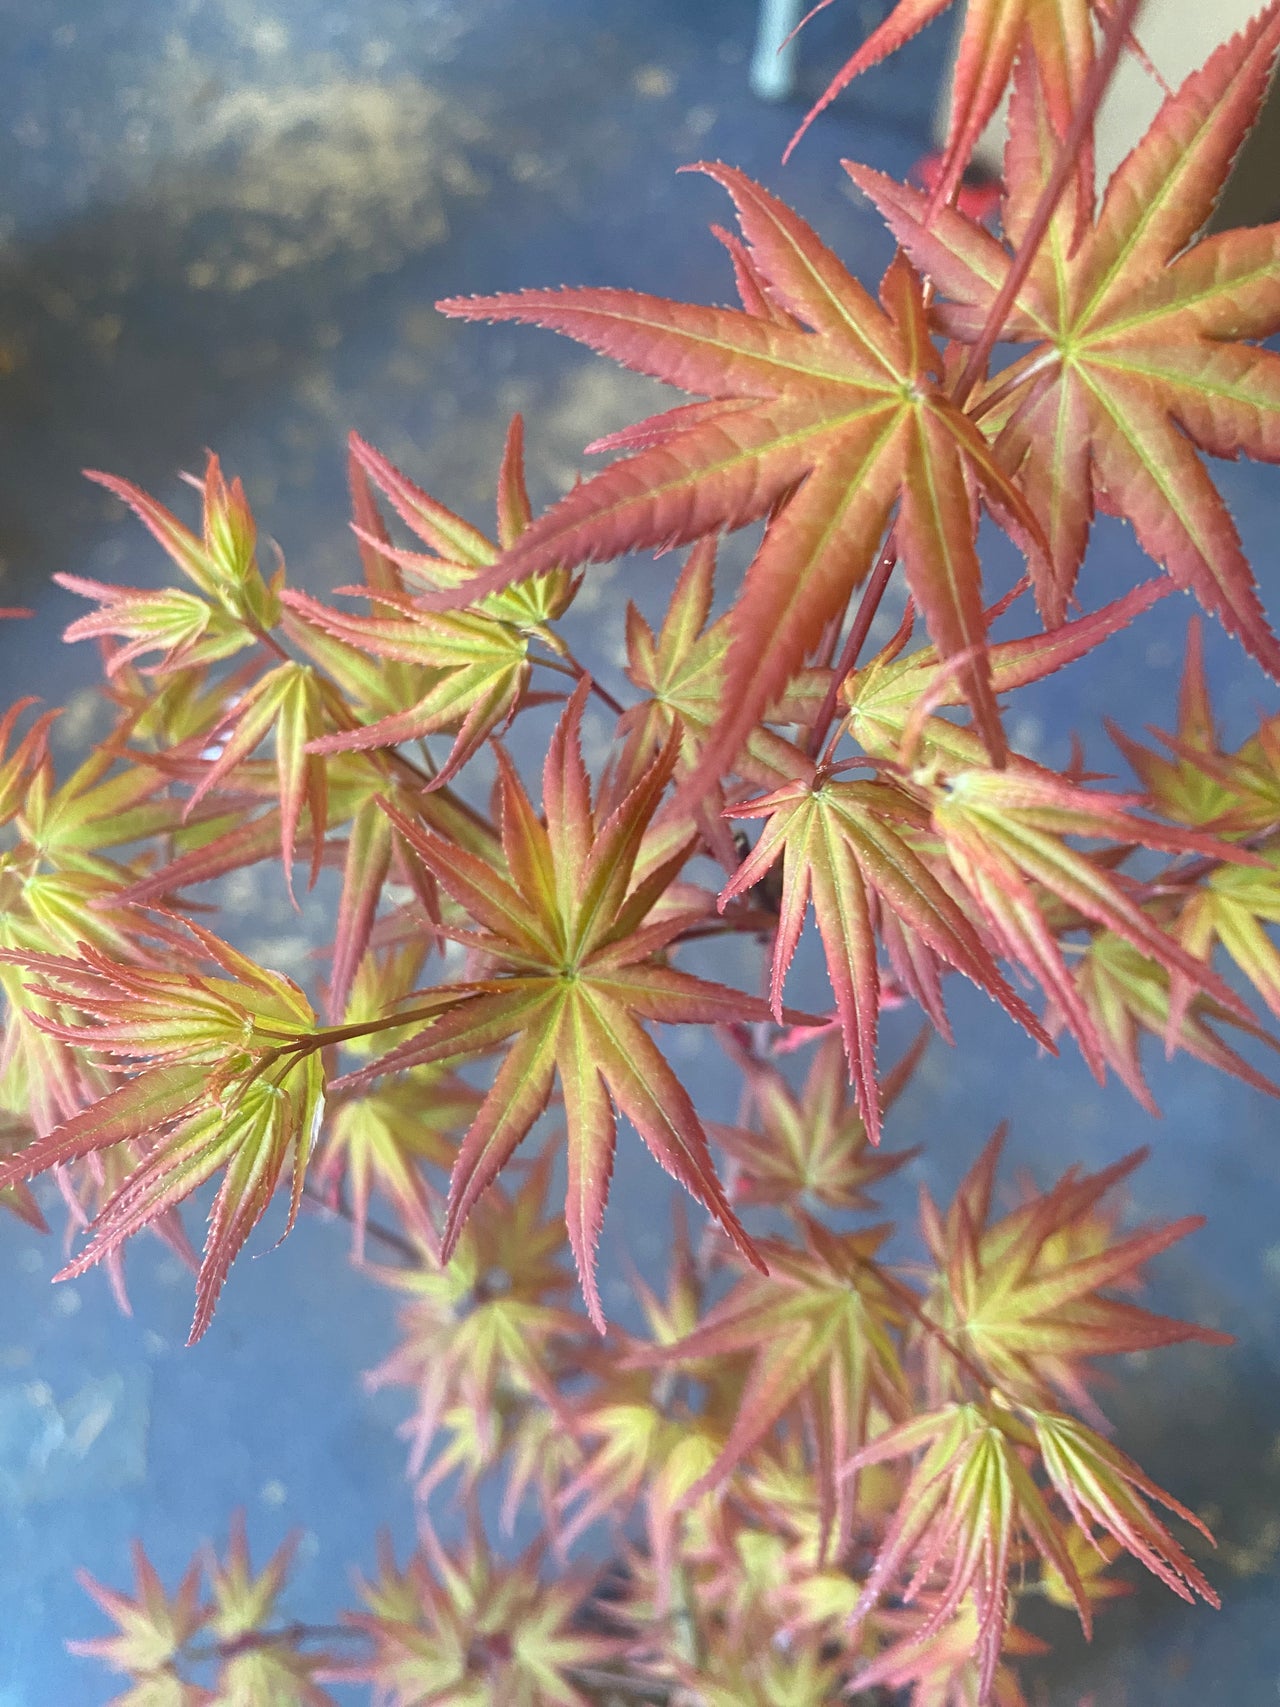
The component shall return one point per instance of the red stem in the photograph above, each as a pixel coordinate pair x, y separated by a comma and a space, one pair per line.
868, 606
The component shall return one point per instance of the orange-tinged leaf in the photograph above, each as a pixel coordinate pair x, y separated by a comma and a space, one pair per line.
1007, 834
1233, 907
884, 697
514, 509
489, 1326
447, 535
1134, 366
1200, 783
1101, 1486
476, 668
244, 1600
567, 927
222, 563
364, 873
1027, 1295
848, 846
471, 1630
821, 1323
970, 1500
682, 672
189, 630
154, 1625
226, 1075
380, 1140
841, 421
813, 1147
289, 705
1058, 32
1127, 994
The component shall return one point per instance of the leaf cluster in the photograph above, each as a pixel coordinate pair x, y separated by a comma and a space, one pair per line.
822, 1469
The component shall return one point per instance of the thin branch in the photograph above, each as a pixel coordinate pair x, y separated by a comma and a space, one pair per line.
1095, 87
868, 605
636, 1688
378, 1231
287, 1636
570, 666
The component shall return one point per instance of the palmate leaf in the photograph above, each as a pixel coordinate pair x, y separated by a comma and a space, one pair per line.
970, 1507
226, 1079
222, 563
639, 1454
245, 1599
821, 1323
638, 1448
681, 670
1101, 1486
470, 1630
848, 846
1027, 1295
941, 1668
813, 1147
478, 670
251, 1673
1233, 907
844, 421
187, 629
569, 933
465, 672
1197, 781
883, 696
1138, 356
1058, 32
379, 1141
489, 1329
1126, 994
290, 704
154, 1625
1008, 836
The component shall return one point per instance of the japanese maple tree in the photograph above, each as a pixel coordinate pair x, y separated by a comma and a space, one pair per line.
824, 1468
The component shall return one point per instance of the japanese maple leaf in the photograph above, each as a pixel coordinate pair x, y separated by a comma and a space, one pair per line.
489, 1327
821, 1326
1138, 354
226, 1075
577, 972
941, 1666
969, 1510
1009, 839
681, 670
252, 1673
813, 1147
1199, 782
470, 669
843, 421
1102, 1486
1028, 1294
468, 1629
1126, 994
972, 1502
153, 1627
1058, 32
849, 847
1234, 907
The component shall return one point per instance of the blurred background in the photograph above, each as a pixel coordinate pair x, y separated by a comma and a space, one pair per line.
223, 223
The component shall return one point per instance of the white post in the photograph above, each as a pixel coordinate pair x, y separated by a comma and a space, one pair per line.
773, 65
